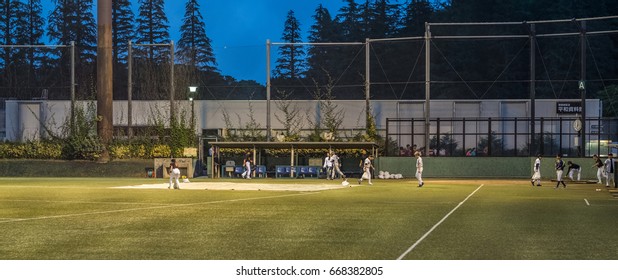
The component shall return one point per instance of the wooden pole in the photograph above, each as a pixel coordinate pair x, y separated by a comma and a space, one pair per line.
104, 76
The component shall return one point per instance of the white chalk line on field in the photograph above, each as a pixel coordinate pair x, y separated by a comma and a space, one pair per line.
437, 224
587, 203
82, 202
149, 208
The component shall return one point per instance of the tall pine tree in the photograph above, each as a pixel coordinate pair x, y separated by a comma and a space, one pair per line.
30, 32
383, 19
194, 47
122, 29
415, 14
73, 21
352, 58
152, 28
152, 74
9, 17
350, 24
291, 61
323, 60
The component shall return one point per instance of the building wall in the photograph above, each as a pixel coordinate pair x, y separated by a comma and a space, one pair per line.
209, 114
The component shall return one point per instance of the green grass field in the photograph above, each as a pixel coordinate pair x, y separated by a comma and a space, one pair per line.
84, 218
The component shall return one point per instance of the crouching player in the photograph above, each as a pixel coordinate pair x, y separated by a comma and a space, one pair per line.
574, 167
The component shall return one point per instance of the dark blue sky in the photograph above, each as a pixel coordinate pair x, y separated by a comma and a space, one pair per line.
239, 28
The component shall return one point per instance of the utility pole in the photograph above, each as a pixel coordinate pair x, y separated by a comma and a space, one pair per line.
104, 76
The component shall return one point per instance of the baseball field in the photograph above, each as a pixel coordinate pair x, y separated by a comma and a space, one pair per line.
304, 219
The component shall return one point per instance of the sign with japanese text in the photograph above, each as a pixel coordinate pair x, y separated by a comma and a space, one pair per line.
568, 107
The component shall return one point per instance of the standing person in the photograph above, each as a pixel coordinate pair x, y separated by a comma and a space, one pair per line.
336, 166
559, 171
574, 167
536, 176
599, 165
174, 172
247, 164
610, 168
328, 166
367, 167
419, 168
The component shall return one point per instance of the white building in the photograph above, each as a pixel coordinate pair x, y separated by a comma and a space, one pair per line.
23, 120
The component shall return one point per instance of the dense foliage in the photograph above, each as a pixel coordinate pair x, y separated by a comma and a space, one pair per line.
460, 68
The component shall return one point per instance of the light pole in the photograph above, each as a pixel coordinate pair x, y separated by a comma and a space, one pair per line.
192, 94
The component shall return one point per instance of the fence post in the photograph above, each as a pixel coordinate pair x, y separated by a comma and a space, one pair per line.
489, 140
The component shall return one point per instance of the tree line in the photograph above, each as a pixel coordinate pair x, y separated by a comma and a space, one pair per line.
460, 68
26, 71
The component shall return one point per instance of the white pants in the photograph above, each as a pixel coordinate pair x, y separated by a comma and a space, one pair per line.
336, 171
559, 175
579, 173
366, 175
600, 175
247, 173
174, 176
536, 176
609, 177
419, 175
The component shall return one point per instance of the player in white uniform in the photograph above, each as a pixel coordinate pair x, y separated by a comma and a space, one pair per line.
536, 177
367, 167
328, 166
247, 173
336, 170
419, 168
174, 175
600, 168
610, 168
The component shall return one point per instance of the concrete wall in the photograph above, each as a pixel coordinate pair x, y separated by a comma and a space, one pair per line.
480, 167
209, 114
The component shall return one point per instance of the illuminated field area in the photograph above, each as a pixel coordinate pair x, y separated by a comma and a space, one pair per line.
304, 219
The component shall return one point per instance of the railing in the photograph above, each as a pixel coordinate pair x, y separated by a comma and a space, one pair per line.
501, 136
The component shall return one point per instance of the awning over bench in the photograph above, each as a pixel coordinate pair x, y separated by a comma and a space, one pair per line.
371, 147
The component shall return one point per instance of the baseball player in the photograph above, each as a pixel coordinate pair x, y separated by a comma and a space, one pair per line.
559, 171
247, 163
367, 166
174, 175
328, 166
336, 166
536, 176
610, 168
600, 168
419, 168
574, 167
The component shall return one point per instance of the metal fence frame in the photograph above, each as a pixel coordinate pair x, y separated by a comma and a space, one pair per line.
509, 136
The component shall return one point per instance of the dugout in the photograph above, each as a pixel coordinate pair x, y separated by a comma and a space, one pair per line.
257, 149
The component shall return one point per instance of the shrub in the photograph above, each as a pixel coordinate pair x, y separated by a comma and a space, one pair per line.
88, 148
160, 150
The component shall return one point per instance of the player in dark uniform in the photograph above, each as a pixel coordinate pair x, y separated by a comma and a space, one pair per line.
574, 167
559, 171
